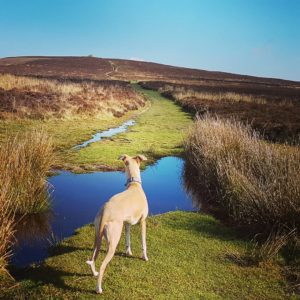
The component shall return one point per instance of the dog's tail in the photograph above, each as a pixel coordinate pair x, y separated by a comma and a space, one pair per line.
99, 231
99, 226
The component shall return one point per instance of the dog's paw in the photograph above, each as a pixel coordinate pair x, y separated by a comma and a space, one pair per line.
98, 289
145, 258
128, 253
96, 273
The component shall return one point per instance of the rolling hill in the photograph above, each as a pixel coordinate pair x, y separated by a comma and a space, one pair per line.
104, 68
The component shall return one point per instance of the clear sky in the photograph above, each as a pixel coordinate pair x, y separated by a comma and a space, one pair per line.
255, 37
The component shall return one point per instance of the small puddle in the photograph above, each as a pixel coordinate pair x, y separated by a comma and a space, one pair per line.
107, 133
76, 199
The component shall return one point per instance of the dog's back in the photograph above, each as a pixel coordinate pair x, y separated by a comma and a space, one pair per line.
129, 206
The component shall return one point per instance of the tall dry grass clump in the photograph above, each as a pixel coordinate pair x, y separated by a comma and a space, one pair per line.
6, 225
252, 182
24, 162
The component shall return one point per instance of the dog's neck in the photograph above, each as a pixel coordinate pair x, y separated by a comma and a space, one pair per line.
133, 175
133, 179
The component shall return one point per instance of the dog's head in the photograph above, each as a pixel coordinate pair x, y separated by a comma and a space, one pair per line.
132, 164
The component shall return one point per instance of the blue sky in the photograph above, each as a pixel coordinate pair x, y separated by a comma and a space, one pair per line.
257, 37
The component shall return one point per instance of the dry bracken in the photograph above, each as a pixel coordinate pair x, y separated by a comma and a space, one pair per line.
27, 97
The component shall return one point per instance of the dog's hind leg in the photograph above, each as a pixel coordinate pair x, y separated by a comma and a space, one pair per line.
97, 247
143, 225
112, 234
127, 231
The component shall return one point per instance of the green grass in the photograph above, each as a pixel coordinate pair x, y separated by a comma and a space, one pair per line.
188, 259
66, 133
159, 132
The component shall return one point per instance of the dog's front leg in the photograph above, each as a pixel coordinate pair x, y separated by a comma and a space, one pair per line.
127, 232
143, 225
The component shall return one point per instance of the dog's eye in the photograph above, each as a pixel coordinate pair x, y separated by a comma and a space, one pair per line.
126, 162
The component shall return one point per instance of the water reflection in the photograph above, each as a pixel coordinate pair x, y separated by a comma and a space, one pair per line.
198, 188
76, 198
33, 227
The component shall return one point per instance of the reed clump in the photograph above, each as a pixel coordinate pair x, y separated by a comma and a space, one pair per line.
24, 162
254, 183
6, 226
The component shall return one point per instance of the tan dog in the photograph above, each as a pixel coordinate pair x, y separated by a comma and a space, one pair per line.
131, 207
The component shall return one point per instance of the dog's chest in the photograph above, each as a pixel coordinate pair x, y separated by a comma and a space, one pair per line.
132, 220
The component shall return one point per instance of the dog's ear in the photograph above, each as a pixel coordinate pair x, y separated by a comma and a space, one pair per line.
140, 158
123, 157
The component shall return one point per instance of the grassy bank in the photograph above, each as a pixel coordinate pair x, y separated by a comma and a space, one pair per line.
191, 256
159, 132
66, 133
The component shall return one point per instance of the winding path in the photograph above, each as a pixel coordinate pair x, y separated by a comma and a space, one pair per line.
114, 68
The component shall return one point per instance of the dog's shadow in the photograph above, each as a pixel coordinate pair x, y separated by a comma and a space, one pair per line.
64, 249
44, 275
124, 255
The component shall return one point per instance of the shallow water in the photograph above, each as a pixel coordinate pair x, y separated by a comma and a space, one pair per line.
76, 199
107, 133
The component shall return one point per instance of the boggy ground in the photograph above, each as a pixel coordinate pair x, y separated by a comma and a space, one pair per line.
158, 132
191, 256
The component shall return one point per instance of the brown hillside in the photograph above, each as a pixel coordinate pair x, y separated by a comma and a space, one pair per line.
271, 105
100, 68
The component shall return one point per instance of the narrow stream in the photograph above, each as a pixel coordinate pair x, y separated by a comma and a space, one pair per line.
76, 199
107, 133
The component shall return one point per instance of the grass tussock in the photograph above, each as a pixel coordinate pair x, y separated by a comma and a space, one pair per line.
269, 248
24, 162
26, 97
6, 226
254, 183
